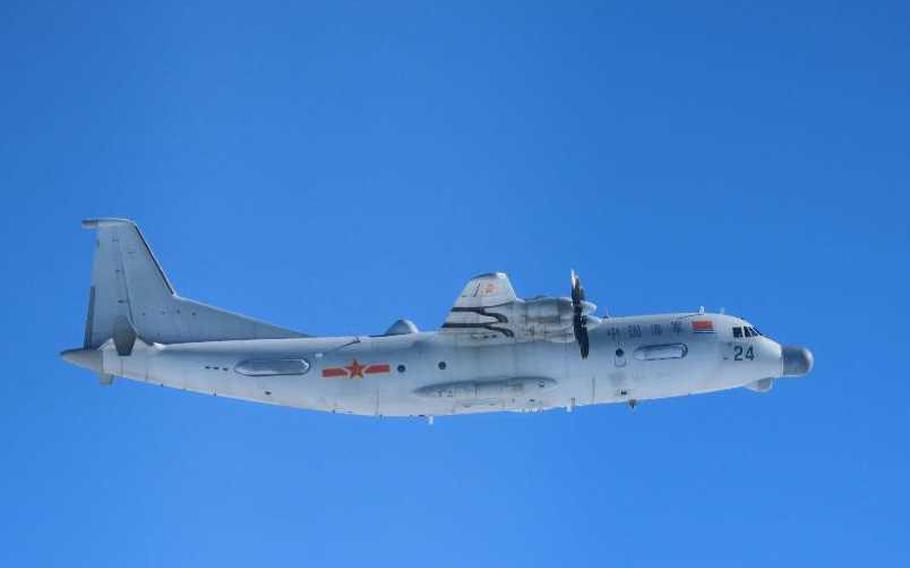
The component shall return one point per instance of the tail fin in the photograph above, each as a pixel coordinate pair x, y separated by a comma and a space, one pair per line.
130, 296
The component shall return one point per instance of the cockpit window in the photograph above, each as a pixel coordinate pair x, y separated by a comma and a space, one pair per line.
746, 331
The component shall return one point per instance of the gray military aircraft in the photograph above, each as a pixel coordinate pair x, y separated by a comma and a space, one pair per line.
495, 351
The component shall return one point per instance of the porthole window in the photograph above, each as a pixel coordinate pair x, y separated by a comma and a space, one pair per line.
442, 365
620, 352
272, 367
401, 368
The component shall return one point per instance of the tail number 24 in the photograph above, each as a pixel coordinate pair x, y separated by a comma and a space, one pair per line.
743, 355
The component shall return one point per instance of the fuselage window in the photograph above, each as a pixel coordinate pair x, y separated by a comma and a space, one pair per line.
661, 352
737, 332
272, 367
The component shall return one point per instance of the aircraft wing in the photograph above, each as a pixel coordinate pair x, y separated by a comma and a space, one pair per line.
482, 306
488, 308
486, 290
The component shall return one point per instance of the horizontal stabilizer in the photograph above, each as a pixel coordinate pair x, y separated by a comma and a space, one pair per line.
91, 359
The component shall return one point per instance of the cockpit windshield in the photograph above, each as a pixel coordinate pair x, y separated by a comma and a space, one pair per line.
746, 331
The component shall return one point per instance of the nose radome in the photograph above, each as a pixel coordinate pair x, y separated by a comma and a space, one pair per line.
798, 361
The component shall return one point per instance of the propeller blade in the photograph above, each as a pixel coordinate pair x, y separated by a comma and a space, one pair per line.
578, 293
579, 320
581, 336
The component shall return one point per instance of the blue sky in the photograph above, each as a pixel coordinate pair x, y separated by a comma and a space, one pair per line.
334, 166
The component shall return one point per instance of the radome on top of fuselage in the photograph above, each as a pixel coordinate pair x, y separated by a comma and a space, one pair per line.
495, 351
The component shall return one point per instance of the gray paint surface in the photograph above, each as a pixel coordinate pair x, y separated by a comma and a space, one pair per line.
495, 351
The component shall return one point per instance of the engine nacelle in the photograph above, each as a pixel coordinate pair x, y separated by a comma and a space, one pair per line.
547, 317
548, 310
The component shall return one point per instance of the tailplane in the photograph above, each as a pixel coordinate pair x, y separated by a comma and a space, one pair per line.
131, 297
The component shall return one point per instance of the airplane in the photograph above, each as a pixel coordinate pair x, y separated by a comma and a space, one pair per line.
494, 351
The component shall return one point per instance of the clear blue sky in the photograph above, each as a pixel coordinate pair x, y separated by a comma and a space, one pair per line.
332, 166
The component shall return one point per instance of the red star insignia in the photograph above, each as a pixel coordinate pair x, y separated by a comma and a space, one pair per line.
355, 369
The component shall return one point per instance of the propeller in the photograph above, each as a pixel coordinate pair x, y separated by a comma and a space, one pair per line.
579, 319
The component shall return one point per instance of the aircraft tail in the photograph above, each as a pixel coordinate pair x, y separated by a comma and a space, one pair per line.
131, 297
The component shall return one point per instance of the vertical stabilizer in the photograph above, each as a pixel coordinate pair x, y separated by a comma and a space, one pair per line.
130, 296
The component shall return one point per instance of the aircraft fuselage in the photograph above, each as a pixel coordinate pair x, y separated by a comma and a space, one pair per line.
436, 374
495, 351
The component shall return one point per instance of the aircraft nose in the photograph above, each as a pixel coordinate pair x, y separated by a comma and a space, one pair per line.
798, 361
